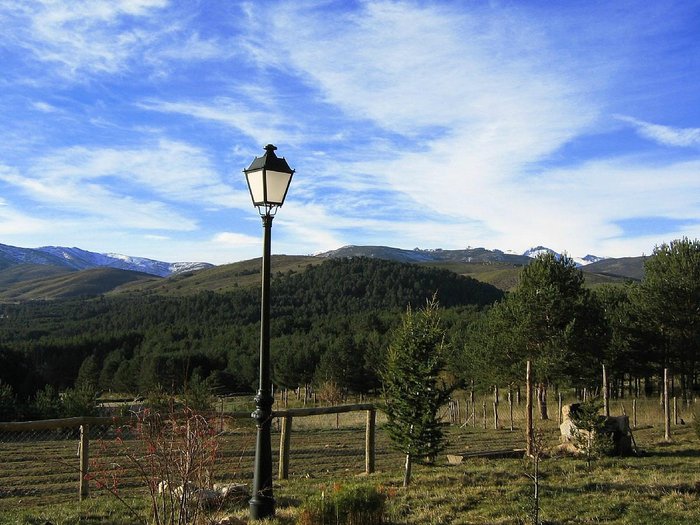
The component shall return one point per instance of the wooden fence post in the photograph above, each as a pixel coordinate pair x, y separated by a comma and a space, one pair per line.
528, 410
472, 400
83, 486
221, 419
667, 409
675, 410
510, 407
561, 414
369, 440
606, 394
495, 407
285, 439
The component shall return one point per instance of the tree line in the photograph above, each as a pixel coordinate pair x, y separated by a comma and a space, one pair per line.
569, 331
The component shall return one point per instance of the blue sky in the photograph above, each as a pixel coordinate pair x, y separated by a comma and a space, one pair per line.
125, 124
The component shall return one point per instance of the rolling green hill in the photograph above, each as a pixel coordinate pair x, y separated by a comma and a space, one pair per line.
624, 268
62, 285
21, 273
221, 279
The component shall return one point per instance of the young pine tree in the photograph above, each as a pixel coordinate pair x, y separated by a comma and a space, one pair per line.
589, 436
413, 388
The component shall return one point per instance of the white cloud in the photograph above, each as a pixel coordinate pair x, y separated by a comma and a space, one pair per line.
45, 107
82, 35
487, 107
17, 223
132, 188
174, 171
406, 69
107, 37
478, 104
666, 135
236, 239
262, 124
195, 48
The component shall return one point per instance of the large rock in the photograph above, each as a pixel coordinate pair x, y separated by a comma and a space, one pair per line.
618, 427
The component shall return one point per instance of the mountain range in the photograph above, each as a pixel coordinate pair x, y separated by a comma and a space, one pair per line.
77, 259
55, 272
467, 255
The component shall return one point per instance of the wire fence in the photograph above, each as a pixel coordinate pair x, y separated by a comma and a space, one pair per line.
59, 461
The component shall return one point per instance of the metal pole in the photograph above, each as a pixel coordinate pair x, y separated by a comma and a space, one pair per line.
262, 504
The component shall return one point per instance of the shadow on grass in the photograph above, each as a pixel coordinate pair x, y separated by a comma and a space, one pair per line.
666, 453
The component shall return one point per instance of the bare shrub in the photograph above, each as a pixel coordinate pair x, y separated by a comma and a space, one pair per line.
174, 455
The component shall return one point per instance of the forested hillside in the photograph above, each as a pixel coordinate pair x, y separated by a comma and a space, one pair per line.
329, 322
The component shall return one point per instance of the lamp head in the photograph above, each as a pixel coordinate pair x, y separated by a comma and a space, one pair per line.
268, 179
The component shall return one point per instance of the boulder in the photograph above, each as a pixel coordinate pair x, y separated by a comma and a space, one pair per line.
618, 427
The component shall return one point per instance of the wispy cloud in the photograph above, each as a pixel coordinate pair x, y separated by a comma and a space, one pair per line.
257, 123
136, 188
461, 98
171, 170
236, 239
96, 37
44, 107
665, 135
84, 35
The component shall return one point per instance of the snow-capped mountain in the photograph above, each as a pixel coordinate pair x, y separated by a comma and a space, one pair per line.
580, 261
78, 259
469, 255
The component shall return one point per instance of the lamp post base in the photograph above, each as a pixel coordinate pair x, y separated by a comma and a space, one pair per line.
262, 504
262, 507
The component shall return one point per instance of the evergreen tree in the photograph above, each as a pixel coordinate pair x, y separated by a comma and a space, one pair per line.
589, 432
669, 297
47, 404
631, 348
551, 320
8, 403
88, 374
198, 395
80, 401
413, 387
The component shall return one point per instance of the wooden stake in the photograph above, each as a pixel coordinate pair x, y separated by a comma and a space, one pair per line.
667, 409
84, 487
606, 394
370, 432
528, 410
285, 440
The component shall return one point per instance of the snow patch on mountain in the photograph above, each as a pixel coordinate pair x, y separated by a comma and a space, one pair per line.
579, 261
82, 259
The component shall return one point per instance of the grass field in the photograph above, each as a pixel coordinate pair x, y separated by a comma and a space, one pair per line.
661, 486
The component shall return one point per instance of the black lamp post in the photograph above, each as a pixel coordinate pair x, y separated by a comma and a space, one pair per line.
268, 180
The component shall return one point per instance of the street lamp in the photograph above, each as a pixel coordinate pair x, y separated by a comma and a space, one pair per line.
268, 179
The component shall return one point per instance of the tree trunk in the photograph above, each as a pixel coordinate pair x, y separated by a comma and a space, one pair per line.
542, 398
